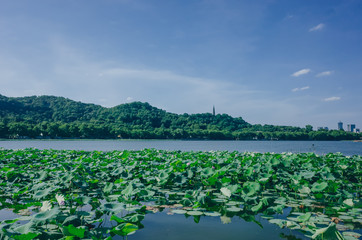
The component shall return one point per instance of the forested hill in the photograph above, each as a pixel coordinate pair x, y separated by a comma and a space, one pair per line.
59, 117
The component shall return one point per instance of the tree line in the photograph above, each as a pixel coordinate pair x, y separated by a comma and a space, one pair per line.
58, 117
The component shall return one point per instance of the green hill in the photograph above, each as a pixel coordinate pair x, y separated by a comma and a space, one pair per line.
50, 116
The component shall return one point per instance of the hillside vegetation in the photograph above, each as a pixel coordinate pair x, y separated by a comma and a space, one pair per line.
59, 117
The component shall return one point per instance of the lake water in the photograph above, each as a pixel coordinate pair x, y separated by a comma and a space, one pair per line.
319, 147
161, 226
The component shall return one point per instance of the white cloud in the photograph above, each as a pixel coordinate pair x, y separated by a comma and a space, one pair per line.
300, 89
301, 72
325, 73
330, 99
317, 28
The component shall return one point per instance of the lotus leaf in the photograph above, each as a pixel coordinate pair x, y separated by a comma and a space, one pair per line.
70, 230
318, 187
226, 192
124, 229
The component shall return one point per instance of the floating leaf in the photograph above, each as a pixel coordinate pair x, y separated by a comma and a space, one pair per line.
27, 236
329, 232
42, 193
113, 207
70, 230
318, 187
257, 208
47, 215
233, 209
349, 202
124, 229
226, 192
212, 214
304, 190
304, 217
194, 213
178, 211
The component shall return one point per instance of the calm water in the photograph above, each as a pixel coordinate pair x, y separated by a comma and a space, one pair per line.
161, 226
319, 147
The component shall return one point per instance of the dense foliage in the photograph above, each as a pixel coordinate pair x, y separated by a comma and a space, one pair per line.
58, 117
98, 195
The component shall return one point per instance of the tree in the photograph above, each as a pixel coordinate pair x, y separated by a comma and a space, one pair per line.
308, 128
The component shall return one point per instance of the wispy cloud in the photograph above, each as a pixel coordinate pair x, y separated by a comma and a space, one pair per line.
301, 72
317, 28
300, 89
330, 99
289, 16
325, 73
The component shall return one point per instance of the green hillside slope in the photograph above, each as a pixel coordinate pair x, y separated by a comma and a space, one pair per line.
60, 117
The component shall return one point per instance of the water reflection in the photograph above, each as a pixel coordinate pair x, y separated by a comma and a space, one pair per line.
178, 227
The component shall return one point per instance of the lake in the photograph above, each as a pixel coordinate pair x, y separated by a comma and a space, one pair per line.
319, 147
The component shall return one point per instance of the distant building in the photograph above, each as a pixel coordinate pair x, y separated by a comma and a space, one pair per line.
322, 128
213, 110
351, 127
340, 126
326, 128
357, 130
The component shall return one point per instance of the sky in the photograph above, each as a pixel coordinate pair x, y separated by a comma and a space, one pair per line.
277, 62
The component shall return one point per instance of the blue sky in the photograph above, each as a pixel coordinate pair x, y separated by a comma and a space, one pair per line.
271, 62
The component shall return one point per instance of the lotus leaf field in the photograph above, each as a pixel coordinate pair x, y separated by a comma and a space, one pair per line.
64, 194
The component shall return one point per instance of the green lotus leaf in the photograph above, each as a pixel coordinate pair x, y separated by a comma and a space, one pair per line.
348, 202
304, 217
27, 236
73, 219
307, 174
250, 188
318, 187
346, 218
234, 209
47, 215
113, 207
108, 188
304, 190
329, 232
42, 193
277, 209
178, 211
70, 230
146, 193
258, 207
26, 228
280, 222
275, 162
117, 219
135, 217
355, 235
226, 192
212, 214
83, 200
194, 213
207, 172
125, 229
128, 191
